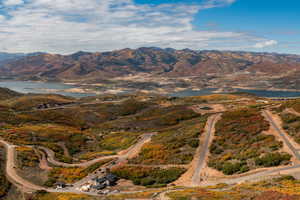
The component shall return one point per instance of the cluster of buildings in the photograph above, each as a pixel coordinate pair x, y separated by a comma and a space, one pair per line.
98, 184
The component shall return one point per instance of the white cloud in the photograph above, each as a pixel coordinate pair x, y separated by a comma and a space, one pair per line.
66, 26
13, 2
264, 44
217, 3
2, 18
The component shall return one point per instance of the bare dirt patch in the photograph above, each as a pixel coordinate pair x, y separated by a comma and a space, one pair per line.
208, 108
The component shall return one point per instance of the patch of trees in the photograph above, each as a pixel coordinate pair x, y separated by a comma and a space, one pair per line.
291, 123
273, 159
148, 176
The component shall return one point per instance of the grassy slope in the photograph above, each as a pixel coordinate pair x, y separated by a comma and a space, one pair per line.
4, 184
173, 145
285, 188
7, 94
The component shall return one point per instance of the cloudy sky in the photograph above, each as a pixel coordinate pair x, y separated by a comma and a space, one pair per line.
67, 26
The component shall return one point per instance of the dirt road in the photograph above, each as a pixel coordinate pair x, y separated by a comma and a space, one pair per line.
27, 186
202, 151
23, 184
192, 177
130, 153
287, 140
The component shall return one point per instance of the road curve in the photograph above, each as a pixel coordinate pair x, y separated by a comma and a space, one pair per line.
11, 170
282, 134
130, 152
202, 152
51, 159
30, 187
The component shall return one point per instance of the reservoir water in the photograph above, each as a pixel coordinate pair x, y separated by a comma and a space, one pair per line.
42, 88
61, 88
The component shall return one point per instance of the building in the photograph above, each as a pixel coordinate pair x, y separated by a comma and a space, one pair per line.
105, 181
60, 185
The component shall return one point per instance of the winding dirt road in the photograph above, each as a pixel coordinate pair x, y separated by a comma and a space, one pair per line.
12, 173
130, 153
27, 186
51, 159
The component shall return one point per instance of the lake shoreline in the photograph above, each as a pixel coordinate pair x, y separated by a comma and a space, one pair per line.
82, 90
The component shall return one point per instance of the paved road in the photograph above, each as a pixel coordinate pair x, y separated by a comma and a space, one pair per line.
203, 150
70, 106
282, 134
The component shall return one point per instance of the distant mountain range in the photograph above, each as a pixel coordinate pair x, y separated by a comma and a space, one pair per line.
217, 68
10, 57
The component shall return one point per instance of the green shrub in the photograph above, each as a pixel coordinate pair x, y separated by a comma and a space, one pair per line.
148, 176
272, 159
231, 168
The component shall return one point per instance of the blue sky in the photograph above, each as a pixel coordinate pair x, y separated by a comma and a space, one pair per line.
66, 26
273, 19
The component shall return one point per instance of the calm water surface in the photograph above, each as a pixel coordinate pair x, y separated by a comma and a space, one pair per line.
42, 87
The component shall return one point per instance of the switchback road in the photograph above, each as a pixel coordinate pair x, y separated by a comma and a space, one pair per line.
131, 152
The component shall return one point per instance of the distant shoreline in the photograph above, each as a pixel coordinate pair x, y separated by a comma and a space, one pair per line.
77, 89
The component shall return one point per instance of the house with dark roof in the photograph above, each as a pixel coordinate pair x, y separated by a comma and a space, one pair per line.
105, 181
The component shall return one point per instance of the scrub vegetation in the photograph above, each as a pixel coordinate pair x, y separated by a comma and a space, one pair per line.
148, 176
240, 144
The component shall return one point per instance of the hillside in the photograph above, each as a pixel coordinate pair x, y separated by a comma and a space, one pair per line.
151, 144
7, 94
200, 68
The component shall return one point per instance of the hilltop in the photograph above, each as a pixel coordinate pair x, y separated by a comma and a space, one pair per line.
7, 94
